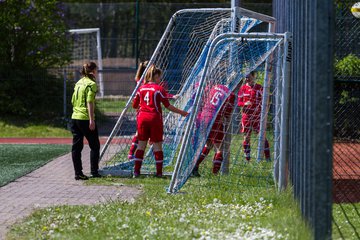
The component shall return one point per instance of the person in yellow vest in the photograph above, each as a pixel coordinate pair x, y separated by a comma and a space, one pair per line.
83, 121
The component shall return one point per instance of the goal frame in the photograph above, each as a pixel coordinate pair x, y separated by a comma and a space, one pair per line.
99, 55
284, 114
236, 13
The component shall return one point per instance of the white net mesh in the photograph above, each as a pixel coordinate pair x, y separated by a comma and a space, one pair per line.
180, 54
85, 47
213, 119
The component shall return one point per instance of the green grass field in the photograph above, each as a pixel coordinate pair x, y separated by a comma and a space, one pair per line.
111, 105
346, 221
198, 213
15, 127
31, 130
18, 160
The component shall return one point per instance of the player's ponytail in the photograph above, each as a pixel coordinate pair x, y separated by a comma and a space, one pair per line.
140, 70
88, 70
151, 73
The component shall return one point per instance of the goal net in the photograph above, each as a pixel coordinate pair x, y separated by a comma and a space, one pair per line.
180, 53
86, 46
242, 157
192, 64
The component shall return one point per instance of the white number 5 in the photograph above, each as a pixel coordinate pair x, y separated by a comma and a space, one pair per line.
146, 98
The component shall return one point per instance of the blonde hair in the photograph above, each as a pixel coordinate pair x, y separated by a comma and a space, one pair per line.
151, 73
140, 70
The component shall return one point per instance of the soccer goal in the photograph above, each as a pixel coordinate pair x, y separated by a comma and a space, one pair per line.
183, 54
86, 46
232, 57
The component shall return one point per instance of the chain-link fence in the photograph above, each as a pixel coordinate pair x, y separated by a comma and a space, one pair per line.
310, 135
346, 146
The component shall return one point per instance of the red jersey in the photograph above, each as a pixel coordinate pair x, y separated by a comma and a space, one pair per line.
149, 97
213, 101
165, 86
252, 94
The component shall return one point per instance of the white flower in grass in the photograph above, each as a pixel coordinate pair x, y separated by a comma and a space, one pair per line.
92, 218
182, 218
53, 225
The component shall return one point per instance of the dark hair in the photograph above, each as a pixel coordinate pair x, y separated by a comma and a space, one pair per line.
87, 70
151, 72
140, 70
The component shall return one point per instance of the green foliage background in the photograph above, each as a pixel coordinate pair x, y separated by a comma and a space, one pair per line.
34, 40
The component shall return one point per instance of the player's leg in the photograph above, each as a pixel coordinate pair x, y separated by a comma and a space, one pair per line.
217, 141
94, 144
143, 129
256, 127
156, 137
139, 157
267, 150
208, 146
134, 144
246, 129
159, 157
77, 146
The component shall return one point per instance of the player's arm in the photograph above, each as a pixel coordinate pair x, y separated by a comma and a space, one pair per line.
230, 105
91, 108
136, 101
166, 103
241, 102
177, 110
90, 101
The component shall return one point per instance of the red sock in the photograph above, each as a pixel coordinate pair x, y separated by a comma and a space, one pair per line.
139, 156
217, 162
267, 149
159, 158
134, 144
203, 154
247, 150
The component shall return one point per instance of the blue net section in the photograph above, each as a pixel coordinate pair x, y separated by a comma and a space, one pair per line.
181, 54
219, 77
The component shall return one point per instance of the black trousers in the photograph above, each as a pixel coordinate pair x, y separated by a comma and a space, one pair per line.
80, 129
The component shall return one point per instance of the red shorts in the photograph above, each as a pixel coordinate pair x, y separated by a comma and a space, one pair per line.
150, 126
250, 122
217, 133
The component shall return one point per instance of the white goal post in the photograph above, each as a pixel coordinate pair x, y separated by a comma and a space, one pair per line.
98, 51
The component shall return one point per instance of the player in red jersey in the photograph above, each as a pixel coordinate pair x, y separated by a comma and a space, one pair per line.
139, 73
212, 102
135, 141
250, 98
148, 100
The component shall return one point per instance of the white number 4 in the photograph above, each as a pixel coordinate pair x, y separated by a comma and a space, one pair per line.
146, 98
216, 98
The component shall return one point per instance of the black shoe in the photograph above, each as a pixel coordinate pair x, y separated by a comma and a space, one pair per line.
81, 177
195, 173
95, 175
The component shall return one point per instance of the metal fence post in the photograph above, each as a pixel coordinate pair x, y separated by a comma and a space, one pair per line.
311, 23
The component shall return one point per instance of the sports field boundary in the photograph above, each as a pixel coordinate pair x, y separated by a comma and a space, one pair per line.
53, 185
43, 140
